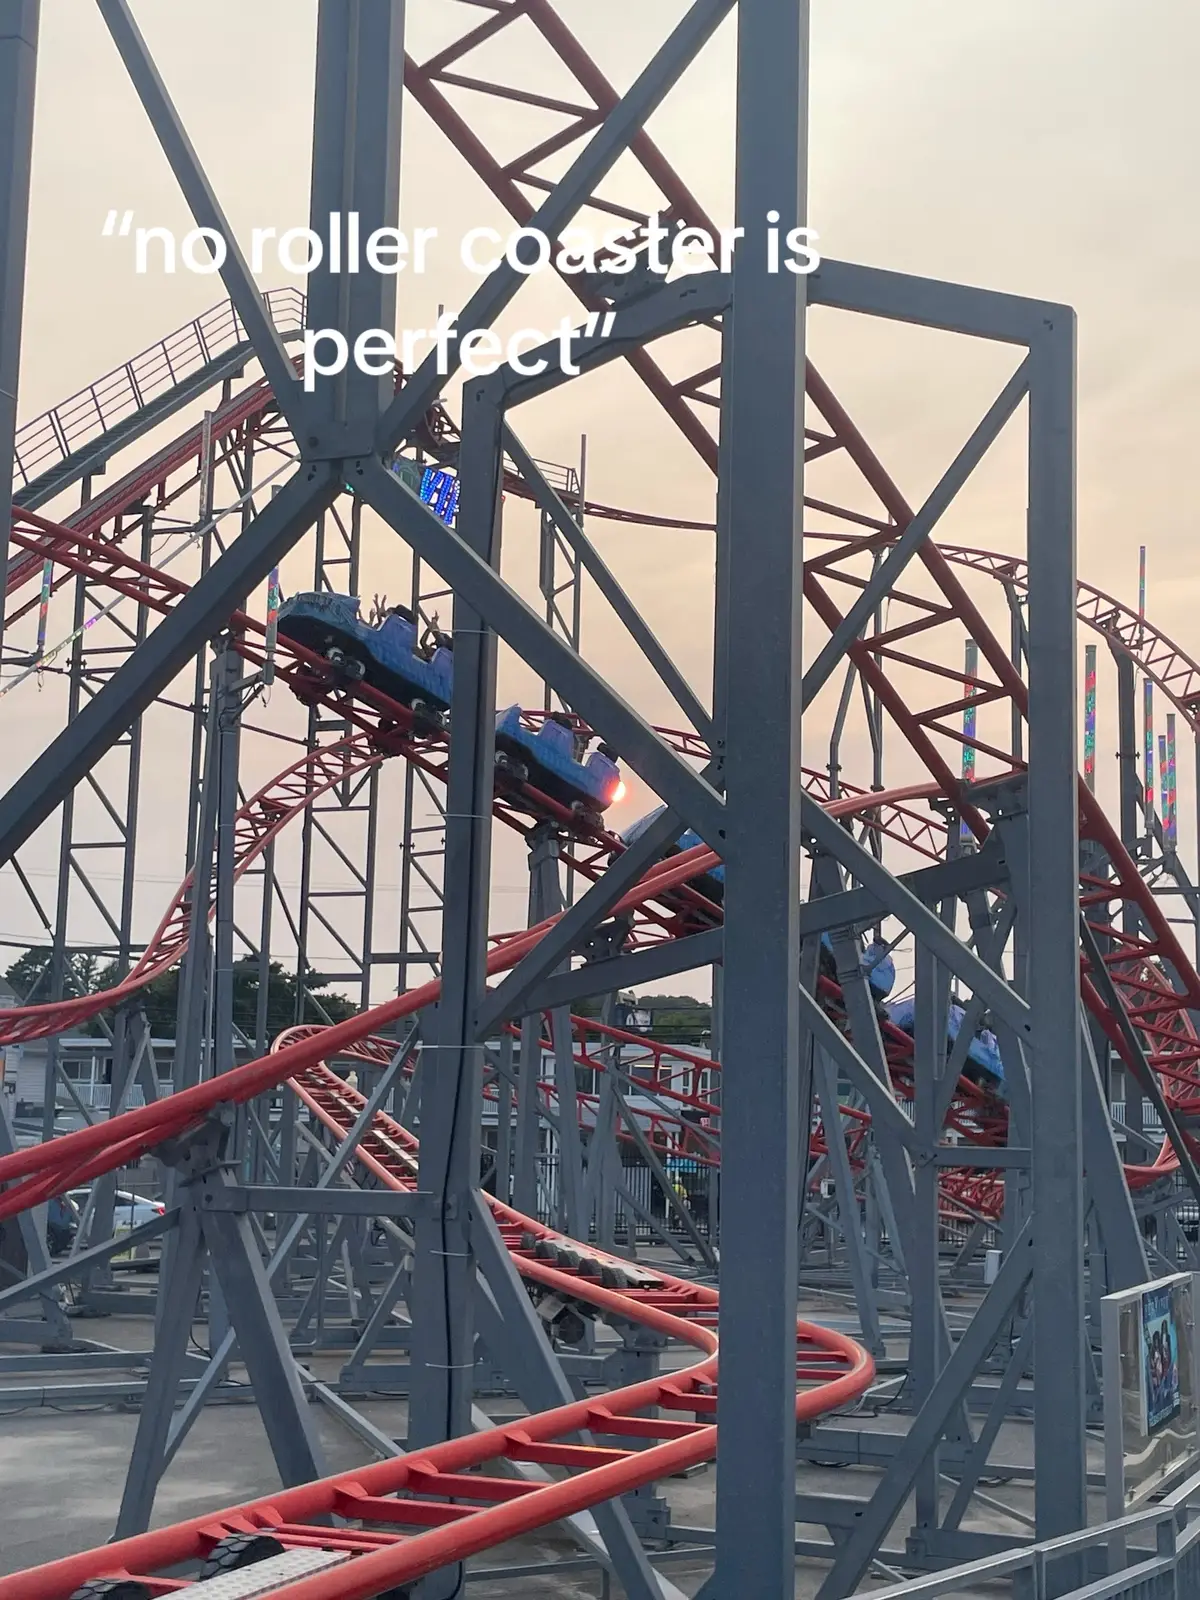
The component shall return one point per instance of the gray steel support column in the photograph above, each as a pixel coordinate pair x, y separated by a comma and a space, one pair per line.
370, 875
228, 726
1014, 1048
191, 1016
261, 1033
443, 1268
717, 1048
124, 1059
846, 1201
182, 1270
1016, 653
761, 504
1129, 783
1129, 799
546, 900
261, 1339
304, 910
603, 1163
66, 837
217, 1019
525, 1159
18, 71
504, 1121
570, 1212
1060, 1407
105, 1187
356, 169
524, 1351
925, 1358
199, 685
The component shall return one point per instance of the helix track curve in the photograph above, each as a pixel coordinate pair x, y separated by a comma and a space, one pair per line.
447, 1506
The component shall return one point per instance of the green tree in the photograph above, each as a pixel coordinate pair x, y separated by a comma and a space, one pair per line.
30, 975
677, 1018
161, 999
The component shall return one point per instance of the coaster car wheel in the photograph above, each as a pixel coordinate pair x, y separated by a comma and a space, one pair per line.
427, 718
350, 667
238, 1550
586, 818
112, 1589
516, 770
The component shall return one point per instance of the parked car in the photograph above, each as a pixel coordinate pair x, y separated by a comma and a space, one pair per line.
129, 1211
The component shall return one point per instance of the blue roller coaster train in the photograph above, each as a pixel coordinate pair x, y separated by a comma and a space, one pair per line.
418, 671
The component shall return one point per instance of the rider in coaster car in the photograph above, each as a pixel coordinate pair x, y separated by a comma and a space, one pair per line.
876, 962
880, 968
558, 732
401, 618
603, 762
433, 640
442, 659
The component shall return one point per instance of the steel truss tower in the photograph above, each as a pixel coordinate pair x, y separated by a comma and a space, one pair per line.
853, 1155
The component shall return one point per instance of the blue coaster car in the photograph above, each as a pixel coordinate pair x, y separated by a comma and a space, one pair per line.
881, 969
876, 962
983, 1064
710, 884
387, 657
549, 760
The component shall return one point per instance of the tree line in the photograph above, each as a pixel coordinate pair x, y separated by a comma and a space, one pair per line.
86, 973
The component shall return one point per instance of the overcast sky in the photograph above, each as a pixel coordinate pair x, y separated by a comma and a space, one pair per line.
1047, 150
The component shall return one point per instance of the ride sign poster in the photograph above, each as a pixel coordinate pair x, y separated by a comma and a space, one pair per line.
1151, 1388
1160, 1360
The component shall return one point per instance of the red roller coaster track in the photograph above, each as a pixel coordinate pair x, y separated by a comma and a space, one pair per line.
680, 1310
385, 728
450, 1500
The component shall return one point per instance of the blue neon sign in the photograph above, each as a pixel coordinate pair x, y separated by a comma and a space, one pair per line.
439, 490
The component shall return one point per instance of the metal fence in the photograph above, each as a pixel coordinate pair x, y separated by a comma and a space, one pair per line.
47, 440
650, 1215
1152, 1554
